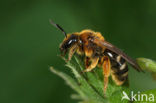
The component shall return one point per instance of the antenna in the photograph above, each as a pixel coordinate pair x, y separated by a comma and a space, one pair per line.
57, 26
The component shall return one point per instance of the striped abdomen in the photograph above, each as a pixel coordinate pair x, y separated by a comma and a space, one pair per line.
119, 68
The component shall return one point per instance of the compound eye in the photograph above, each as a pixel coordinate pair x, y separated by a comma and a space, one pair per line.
70, 42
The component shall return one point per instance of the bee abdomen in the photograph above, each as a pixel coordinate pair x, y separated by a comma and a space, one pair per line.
119, 70
119, 67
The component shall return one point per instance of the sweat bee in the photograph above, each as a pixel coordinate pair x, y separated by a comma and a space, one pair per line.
98, 52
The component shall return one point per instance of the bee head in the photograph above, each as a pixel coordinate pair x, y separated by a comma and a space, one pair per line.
68, 42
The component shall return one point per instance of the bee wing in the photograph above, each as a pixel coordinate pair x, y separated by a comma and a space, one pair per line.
119, 52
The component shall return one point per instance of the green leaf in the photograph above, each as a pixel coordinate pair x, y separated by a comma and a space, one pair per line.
70, 81
89, 86
148, 65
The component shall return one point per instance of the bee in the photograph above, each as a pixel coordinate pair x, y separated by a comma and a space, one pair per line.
98, 52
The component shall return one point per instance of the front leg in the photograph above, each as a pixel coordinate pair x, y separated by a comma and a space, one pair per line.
71, 52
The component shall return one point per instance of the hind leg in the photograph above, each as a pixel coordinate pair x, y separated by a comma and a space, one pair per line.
106, 66
87, 60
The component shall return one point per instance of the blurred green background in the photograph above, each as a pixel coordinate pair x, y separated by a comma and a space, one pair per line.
29, 44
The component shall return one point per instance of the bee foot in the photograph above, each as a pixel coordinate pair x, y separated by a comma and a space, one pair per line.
86, 70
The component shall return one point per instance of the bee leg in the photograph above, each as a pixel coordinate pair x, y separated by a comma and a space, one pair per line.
93, 64
87, 62
106, 72
71, 52
62, 57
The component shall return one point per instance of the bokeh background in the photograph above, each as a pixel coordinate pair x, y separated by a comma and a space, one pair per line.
29, 44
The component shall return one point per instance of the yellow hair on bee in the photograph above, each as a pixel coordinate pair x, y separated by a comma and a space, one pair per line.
114, 77
87, 31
